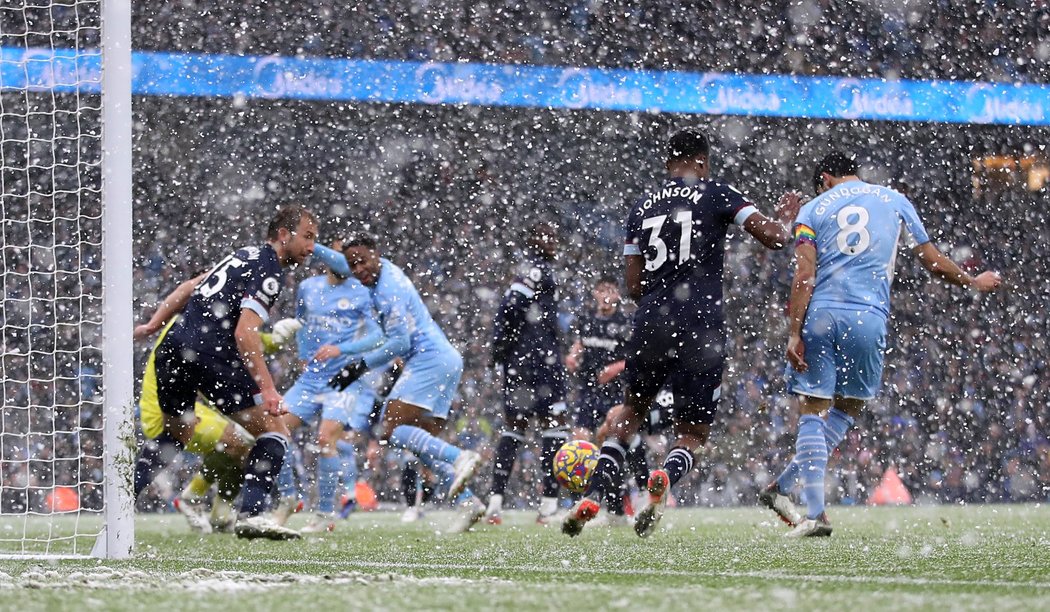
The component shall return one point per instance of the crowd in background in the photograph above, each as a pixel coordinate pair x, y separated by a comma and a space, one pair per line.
965, 407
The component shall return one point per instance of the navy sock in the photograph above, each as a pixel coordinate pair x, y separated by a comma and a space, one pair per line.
506, 455
553, 439
261, 471
606, 473
614, 495
639, 463
678, 463
410, 483
151, 459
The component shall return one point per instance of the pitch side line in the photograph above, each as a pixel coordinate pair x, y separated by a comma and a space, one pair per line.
533, 569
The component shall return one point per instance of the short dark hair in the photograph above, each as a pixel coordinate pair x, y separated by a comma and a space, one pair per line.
607, 279
837, 164
288, 217
354, 238
687, 144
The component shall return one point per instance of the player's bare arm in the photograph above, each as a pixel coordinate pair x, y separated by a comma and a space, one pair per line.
572, 360
943, 267
775, 233
801, 293
611, 371
168, 308
250, 345
635, 266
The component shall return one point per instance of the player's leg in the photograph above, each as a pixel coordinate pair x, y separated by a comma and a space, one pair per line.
410, 488
607, 477
816, 383
213, 434
811, 454
347, 450
614, 497
303, 407
421, 400
168, 396
511, 439
329, 471
554, 434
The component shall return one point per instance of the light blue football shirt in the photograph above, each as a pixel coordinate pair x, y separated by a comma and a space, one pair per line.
855, 228
342, 314
406, 321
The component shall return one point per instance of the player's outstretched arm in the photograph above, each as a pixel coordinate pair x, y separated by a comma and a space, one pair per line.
250, 346
943, 267
775, 233
801, 294
168, 308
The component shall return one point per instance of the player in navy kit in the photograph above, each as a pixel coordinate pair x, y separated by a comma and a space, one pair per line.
526, 347
215, 349
674, 253
597, 359
845, 248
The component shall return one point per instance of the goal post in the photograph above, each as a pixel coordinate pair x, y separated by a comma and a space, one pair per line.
118, 373
66, 315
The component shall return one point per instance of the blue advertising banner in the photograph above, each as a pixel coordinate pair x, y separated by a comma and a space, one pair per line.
710, 93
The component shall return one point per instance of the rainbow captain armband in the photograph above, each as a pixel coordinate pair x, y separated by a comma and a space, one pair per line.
805, 234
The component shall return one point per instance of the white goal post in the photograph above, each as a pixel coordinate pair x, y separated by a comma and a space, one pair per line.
67, 441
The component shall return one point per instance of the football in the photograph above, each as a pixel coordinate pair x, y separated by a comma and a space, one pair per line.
574, 463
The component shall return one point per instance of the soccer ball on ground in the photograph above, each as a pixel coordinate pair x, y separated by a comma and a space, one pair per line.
574, 463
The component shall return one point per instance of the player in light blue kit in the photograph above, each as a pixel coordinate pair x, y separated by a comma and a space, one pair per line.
845, 249
339, 326
419, 403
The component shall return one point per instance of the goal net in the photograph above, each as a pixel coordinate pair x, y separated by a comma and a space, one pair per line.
62, 204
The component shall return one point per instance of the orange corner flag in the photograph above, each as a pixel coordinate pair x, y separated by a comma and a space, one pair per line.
890, 492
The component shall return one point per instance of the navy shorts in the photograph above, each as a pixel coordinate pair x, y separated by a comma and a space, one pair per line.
594, 405
181, 373
533, 395
686, 361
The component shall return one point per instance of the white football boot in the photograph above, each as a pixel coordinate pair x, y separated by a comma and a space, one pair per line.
772, 498
464, 468
819, 527
193, 511
320, 523
469, 513
262, 526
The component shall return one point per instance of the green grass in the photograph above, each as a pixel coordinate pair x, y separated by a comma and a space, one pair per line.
981, 557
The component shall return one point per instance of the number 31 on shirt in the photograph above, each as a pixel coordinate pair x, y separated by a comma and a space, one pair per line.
684, 219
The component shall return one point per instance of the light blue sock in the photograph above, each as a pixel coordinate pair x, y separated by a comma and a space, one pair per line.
811, 454
445, 474
286, 479
835, 428
328, 471
348, 459
423, 444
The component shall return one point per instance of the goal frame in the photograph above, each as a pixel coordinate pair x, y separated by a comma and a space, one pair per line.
116, 540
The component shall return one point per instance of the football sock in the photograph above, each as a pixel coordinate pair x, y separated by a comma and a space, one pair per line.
678, 463
197, 487
553, 439
328, 471
548, 505
605, 477
348, 466
506, 455
224, 471
835, 428
422, 443
614, 495
151, 459
811, 454
286, 479
261, 471
410, 483
638, 462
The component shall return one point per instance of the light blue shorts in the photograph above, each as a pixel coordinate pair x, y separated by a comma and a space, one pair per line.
311, 397
844, 352
430, 380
